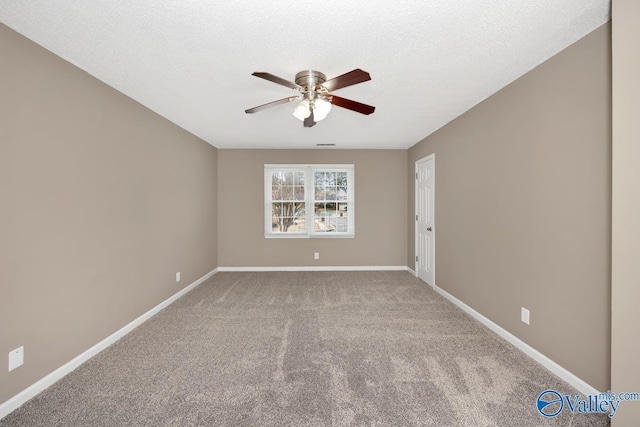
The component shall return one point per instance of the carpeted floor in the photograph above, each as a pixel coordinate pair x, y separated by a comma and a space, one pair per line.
304, 349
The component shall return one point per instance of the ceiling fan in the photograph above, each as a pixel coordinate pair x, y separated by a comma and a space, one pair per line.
315, 94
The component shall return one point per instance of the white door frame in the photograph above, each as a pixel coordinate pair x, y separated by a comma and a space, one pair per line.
415, 237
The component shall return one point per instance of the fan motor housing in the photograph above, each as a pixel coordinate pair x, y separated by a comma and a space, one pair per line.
310, 79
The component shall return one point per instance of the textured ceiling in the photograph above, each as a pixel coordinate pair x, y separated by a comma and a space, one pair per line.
191, 61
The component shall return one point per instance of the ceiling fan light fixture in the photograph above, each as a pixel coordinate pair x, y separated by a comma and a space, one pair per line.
315, 91
302, 111
321, 109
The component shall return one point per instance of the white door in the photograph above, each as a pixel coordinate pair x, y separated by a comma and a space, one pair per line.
425, 236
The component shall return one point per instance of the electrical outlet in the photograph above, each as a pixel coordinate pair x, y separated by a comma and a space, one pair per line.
524, 315
178, 276
316, 255
16, 358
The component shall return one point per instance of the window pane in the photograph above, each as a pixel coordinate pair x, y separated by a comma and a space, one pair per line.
342, 223
341, 179
299, 193
275, 193
287, 192
275, 216
319, 193
322, 225
287, 222
276, 209
299, 178
297, 225
319, 210
277, 178
330, 178
342, 193
331, 193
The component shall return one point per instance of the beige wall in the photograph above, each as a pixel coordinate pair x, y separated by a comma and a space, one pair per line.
522, 207
101, 203
625, 338
381, 211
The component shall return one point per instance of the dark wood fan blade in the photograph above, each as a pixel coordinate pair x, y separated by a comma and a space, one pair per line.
348, 79
276, 79
271, 104
352, 105
309, 121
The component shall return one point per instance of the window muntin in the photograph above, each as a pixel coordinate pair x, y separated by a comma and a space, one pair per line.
309, 201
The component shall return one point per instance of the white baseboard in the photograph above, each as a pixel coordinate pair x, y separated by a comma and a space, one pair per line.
412, 271
320, 268
582, 386
21, 398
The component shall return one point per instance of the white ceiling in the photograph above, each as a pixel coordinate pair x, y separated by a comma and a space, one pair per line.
191, 61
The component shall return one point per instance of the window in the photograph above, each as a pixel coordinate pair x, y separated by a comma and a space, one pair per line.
309, 201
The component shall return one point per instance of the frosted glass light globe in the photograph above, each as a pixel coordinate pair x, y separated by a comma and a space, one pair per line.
321, 109
302, 111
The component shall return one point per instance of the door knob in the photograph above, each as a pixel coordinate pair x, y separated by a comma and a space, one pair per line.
428, 228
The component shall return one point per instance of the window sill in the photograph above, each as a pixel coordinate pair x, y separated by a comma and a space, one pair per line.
310, 236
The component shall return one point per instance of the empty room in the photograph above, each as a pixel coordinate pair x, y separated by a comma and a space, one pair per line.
319, 214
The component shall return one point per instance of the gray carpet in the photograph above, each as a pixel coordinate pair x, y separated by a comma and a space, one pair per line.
304, 349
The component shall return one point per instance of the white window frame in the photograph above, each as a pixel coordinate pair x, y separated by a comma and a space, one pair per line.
309, 200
